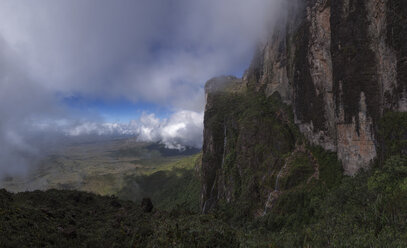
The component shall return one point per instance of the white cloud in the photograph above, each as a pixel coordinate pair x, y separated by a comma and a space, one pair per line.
183, 128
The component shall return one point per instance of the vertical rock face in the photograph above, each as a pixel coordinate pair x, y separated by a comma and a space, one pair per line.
313, 104
396, 36
244, 140
357, 87
215, 137
340, 64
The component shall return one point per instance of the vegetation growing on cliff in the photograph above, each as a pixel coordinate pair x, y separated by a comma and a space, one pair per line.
315, 205
248, 135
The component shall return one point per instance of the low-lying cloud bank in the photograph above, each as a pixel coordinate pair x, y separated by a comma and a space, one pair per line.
182, 129
24, 144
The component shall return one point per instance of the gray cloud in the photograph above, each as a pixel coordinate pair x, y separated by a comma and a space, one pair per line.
137, 49
20, 100
160, 51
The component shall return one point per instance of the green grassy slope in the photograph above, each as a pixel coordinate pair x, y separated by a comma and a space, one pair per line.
173, 185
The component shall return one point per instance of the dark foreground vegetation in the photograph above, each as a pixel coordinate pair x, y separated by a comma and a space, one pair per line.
76, 219
368, 210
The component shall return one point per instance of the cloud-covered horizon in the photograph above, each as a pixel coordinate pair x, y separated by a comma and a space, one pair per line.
182, 129
160, 52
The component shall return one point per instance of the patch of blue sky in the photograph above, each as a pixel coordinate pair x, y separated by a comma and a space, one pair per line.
117, 111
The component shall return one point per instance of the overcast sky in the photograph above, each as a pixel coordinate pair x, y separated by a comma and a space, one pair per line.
101, 66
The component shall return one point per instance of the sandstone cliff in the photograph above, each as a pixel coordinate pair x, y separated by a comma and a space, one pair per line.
339, 64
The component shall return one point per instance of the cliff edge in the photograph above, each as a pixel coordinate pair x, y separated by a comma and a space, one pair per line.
325, 76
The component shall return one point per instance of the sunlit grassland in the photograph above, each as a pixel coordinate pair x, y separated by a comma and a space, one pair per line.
104, 167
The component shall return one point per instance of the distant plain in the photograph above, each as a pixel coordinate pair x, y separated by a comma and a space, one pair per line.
119, 167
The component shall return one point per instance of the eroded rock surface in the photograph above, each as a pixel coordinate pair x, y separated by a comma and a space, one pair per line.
329, 56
